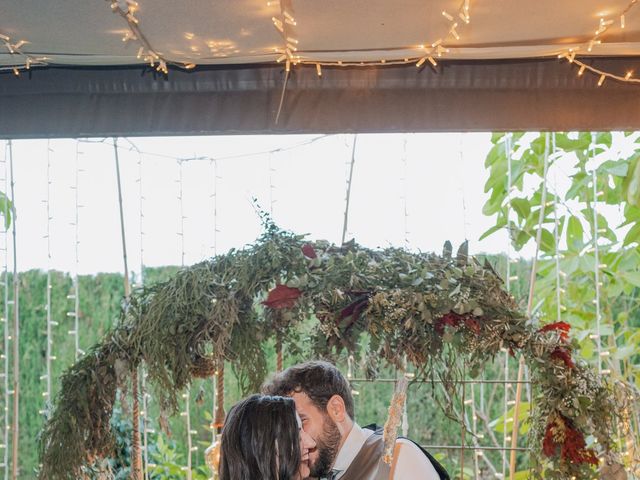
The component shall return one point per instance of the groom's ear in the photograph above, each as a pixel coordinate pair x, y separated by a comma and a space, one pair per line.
336, 409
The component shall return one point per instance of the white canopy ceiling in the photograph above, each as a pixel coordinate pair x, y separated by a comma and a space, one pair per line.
88, 33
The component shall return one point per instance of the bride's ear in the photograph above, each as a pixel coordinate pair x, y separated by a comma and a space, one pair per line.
336, 409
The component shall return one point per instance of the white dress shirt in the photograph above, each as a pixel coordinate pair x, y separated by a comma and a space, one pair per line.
408, 458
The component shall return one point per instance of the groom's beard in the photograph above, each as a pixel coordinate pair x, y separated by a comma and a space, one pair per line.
327, 445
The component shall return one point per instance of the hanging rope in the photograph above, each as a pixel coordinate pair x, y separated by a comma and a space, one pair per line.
218, 421
349, 183
136, 454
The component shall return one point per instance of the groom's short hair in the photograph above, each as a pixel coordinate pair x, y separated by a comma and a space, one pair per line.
319, 380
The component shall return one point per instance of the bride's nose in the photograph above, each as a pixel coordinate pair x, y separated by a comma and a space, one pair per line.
308, 443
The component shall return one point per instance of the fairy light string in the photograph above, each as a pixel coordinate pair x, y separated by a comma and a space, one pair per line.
127, 9
75, 296
15, 50
49, 321
597, 267
213, 163
604, 25
145, 396
15, 392
5, 320
187, 395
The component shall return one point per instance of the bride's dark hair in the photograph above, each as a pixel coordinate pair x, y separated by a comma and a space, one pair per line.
260, 440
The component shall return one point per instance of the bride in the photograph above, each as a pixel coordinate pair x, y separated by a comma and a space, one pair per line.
262, 438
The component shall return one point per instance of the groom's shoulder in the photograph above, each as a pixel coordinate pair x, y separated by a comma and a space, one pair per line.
409, 458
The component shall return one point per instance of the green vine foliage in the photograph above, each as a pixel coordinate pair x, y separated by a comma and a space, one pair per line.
448, 315
565, 284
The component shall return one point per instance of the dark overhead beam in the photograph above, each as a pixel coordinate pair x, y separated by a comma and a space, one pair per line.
463, 96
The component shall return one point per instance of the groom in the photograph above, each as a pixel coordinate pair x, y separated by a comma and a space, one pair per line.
344, 450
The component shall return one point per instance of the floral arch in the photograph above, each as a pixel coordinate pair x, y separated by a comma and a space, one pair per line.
435, 310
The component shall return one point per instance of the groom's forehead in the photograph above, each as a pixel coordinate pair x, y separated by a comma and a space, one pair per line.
304, 405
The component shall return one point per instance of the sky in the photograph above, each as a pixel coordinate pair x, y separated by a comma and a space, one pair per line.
408, 190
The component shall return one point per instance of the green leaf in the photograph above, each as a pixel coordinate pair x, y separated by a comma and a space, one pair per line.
547, 242
633, 185
497, 136
619, 168
498, 424
6, 210
603, 138
521, 206
633, 235
622, 353
575, 234
632, 277
499, 226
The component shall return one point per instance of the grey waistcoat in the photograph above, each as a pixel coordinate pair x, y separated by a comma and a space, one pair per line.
368, 464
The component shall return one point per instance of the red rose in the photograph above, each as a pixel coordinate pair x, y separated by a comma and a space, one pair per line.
282, 297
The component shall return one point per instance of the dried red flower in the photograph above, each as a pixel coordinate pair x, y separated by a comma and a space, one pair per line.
309, 251
574, 448
563, 354
473, 325
560, 432
355, 308
549, 446
282, 297
561, 327
451, 319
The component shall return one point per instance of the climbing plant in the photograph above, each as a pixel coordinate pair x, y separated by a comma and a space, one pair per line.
577, 217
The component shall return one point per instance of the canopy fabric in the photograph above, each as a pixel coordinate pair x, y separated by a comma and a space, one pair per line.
205, 32
502, 74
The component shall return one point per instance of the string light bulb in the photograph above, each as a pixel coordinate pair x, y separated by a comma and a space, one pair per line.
582, 69
447, 16
602, 79
454, 32
319, 69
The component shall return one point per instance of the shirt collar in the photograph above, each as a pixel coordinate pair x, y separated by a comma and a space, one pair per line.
352, 445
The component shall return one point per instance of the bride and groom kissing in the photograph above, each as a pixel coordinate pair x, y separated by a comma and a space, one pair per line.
303, 426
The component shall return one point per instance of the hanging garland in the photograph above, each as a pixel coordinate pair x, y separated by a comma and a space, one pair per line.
435, 309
